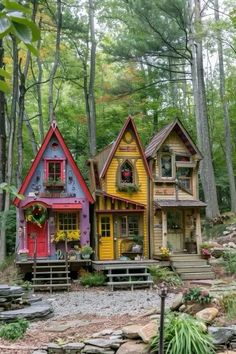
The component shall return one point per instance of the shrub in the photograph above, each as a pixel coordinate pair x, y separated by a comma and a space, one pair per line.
163, 274
198, 295
10, 224
93, 279
228, 303
184, 335
15, 330
230, 261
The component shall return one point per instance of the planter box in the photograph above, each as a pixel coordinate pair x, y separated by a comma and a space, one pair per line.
23, 257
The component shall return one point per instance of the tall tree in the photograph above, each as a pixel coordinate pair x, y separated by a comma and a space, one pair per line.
227, 129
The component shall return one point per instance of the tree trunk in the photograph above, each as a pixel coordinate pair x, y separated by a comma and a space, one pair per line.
56, 62
10, 153
206, 170
38, 91
2, 131
91, 98
227, 130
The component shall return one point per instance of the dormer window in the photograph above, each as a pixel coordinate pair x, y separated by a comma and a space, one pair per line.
166, 166
54, 173
127, 173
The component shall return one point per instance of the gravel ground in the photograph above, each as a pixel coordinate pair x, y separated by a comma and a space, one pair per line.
104, 302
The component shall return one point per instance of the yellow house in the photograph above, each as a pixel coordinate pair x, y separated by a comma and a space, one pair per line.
120, 182
173, 160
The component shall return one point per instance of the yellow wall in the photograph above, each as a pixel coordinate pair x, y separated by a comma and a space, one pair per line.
141, 196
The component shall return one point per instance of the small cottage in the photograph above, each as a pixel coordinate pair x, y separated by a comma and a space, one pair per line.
173, 159
120, 178
56, 202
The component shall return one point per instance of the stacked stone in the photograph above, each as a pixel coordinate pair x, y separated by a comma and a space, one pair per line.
10, 297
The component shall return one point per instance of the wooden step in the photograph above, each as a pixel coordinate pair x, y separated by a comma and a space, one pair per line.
197, 263
192, 269
193, 276
127, 274
63, 285
182, 257
49, 278
49, 266
56, 272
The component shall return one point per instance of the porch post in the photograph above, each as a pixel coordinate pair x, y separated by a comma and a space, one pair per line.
198, 230
164, 228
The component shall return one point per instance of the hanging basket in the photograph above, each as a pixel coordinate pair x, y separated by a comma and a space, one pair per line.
36, 214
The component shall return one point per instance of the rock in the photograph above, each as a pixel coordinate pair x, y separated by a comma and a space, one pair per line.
39, 351
155, 317
104, 343
54, 348
133, 348
73, 348
217, 252
131, 331
192, 309
226, 232
182, 308
150, 312
4, 290
105, 332
232, 245
36, 310
148, 331
96, 350
58, 328
117, 333
176, 302
221, 335
207, 315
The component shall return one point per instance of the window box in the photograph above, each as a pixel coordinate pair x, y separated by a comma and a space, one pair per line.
128, 188
54, 184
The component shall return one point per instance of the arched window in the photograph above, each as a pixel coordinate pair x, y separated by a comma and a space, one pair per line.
127, 173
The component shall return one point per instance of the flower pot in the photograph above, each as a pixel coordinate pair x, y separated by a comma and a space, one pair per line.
137, 248
72, 258
23, 257
86, 256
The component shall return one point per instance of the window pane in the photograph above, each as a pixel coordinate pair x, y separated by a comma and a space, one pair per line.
133, 225
166, 166
67, 221
124, 231
127, 173
54, 171
105, 226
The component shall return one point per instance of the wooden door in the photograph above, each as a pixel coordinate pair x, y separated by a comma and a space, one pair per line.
106, 237
38, 235
175, 230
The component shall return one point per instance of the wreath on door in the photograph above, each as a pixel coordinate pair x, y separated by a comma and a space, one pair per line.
37, 214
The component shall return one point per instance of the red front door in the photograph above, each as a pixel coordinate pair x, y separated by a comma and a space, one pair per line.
37, 235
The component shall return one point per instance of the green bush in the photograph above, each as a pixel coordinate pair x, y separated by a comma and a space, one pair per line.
228, 303
10, 223
15, 330
197, 295
163, 274
93, 279
184, 335
230, 261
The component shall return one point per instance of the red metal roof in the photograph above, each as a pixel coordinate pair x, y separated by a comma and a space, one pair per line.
129, 122
54, 130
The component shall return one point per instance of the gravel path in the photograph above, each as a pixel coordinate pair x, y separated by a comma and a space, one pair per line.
104, 302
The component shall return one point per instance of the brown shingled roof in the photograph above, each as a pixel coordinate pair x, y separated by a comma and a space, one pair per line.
165, 203
161, 136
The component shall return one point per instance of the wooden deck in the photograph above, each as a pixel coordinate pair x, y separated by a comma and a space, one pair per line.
105, 265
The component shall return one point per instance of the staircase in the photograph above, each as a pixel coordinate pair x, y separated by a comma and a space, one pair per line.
191, 267
128, 275
51, 275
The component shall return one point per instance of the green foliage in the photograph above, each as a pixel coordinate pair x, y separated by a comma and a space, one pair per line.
230, 261
163, 274
228, 303
213, 231
184, 335
93, 279
198, 295
15, 330
7, 262
9, 220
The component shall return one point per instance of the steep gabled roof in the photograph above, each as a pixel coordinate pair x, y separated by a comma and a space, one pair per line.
128, 123
162, 135
54, 131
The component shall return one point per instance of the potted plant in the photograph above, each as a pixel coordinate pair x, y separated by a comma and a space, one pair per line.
72, 255
138, 246
86, 252
205, 249
23, 255
165, 253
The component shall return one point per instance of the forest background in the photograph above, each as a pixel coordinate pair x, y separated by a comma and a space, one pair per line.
91, 63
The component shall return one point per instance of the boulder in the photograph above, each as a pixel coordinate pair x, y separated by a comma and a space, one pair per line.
133, 348
104, 343
176, 302
89, 349
207, 315
36, 310
71, 348
131, 331
149, 331
221, 335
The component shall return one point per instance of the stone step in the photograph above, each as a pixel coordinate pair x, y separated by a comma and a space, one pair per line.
197, 269
192, 276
